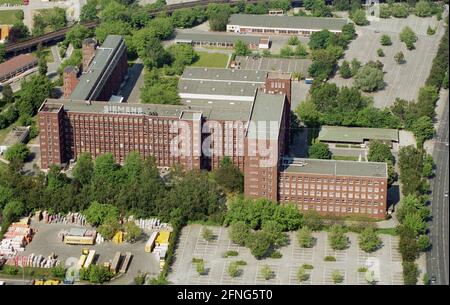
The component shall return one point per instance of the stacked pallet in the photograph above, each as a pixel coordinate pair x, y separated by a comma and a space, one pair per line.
35, 261
71, 218
15, 239
150, 223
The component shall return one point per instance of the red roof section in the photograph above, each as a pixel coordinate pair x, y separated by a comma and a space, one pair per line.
15, 63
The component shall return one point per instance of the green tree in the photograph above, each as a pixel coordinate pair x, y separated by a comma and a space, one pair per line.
369, 79
379, 152
341, 5
109, 228
428, 166
408, 246
200, 268
305, 238
411, 168
356, 65
320, 9
319, 150
76, 35
400, 10
33, 93
337, 238
154, 55
207, 234
42, 66
369, 240
415, 222
408, 36
313, 220
345, 70
89, 11
267, 273
286, 51
218, 16
423, 242
410, 273
182, 55
385, 40
359, 17
412, 204
58, 272
399, 57
8, 95
275, 231
380, 53
259, 243
241, 49
17, 152
84, 168
320, 39
229, 176
116, 27
300, 50
98, 214
2, 53
423, 129
324, 62
132, 231
12, 211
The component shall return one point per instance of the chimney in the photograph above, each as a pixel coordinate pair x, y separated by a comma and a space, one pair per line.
88, 52
70, 80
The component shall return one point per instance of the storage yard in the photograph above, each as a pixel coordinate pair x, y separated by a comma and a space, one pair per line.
68, 241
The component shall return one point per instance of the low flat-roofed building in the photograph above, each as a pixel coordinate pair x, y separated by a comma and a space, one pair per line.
17, 135
357, 135
16, 66
222, 40
283, 25
335, 187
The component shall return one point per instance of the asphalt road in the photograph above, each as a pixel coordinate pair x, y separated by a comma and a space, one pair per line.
438, 257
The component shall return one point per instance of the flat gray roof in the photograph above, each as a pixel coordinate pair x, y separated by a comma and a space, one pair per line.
160, 110
356, 134
334, 167
103, 56
216, 37
224, 75
292, 22
266, 116
205, 87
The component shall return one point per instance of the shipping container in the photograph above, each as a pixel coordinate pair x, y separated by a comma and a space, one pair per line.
79, 240
163, 237
151, 242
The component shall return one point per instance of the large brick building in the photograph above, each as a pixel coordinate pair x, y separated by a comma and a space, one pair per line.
241, 114
103, 69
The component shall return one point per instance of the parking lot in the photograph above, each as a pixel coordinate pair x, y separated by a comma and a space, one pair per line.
403, 80
386, 261
46, 241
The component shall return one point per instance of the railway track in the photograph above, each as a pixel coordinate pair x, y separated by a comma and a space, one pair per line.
30, 43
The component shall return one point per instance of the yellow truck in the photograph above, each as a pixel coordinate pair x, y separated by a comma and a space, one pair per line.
52, 282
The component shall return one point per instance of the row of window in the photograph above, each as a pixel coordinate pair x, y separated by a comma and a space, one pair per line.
330, 187
325, 208
331, 180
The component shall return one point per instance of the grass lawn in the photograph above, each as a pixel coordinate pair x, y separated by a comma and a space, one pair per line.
348, 158
11, 2
5, 131
8, 17
212, 60
47, 53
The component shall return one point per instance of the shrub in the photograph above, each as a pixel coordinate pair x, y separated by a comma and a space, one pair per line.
200, 268
239, 233
207, 234
302, 275
59, 271
385, 40
329, 258
431, 31
267, 273
139, 278
241, 263
10, 270
196, 260
380, 52
362, 269
337, 277
399, 57
305, 238
307, 266
276, 254
293, 41
231, 253
233, 270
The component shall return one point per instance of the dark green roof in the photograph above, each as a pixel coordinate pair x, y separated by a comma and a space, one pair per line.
356, 134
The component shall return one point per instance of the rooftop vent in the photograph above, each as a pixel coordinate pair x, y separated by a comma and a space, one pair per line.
209, 102
217, 75
229, 83
231, 103
245, 76
206, 69
242, 90
213, 89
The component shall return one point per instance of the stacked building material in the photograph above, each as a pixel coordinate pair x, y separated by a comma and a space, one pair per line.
15, 239
150, 223
71, 218
36, 261
99, 239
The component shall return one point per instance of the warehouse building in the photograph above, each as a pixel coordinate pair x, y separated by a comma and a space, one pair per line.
103, 70
283, 25
223, 40
17, 66
357, 136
